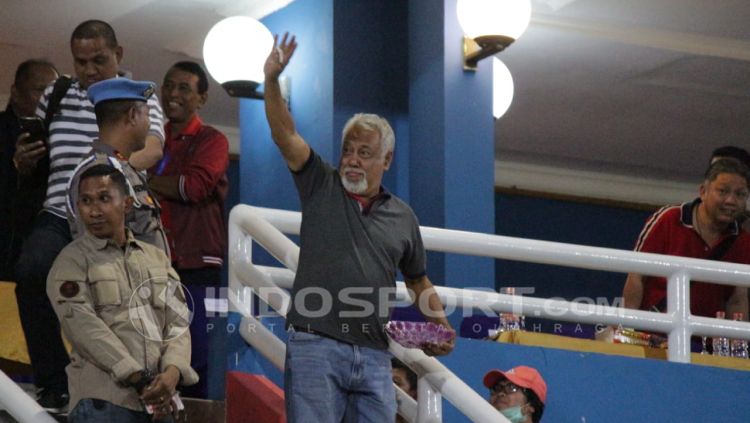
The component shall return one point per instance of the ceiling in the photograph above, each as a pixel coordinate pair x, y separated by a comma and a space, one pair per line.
643, 88
632, 89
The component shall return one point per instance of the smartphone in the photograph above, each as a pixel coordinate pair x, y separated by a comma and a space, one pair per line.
34, 126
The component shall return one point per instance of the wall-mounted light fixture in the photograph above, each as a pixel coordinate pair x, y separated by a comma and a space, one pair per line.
502, 88
234, 51
490, 26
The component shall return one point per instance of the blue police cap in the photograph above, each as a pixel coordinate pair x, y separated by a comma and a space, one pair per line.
120, 89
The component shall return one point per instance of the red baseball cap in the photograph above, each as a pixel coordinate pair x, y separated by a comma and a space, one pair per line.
523, 376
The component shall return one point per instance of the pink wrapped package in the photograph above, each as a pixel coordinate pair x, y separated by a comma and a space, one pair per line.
417, 334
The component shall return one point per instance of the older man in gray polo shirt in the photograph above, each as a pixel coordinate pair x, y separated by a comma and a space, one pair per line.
354, 236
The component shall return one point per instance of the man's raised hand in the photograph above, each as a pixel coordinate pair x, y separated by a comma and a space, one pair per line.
279, 56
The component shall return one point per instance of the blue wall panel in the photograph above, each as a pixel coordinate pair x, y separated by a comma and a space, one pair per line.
265, 179
452, 150
369, 73
426, 93
593, 388
570, 222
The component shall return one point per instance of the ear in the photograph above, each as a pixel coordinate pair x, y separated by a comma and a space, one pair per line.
132, 116
203, 99
703, 190
128, 204
388, 160
118, 54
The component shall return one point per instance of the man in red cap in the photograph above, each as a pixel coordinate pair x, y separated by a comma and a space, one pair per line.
519, 393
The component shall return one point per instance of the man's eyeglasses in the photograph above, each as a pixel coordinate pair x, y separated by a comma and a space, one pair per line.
506, 388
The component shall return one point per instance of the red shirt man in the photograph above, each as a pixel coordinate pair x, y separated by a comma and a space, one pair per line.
192, 185
191, 177
706, 228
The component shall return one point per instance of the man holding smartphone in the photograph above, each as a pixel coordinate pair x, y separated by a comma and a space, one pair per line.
17, 211
96, 57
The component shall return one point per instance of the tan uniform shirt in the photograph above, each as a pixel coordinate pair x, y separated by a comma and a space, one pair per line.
123, 311
144, 219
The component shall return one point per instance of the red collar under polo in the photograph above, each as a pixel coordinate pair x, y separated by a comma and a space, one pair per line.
364, 205
190, 130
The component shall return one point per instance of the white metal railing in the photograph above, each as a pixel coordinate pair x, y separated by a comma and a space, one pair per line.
19, 405
264, 226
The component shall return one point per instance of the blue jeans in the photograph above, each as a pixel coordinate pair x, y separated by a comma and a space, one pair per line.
328, 381
96, 410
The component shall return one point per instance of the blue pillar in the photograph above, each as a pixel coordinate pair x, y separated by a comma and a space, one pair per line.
402, 60
265, 179
370, 74
451, 134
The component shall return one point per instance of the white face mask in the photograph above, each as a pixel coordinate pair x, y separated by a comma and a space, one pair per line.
514, 414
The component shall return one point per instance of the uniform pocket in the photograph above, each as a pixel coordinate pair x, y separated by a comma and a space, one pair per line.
159, 285
105, 289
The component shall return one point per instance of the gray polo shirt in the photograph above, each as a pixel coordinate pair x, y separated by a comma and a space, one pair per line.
345, 281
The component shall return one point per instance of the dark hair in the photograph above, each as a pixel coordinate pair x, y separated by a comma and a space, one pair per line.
730, 151
727, 165
95, 28
411, 377
195, 69
25, 69
111, 111
117, 177
535, 402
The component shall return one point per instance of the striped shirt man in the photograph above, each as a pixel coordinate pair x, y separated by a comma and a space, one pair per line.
71, 134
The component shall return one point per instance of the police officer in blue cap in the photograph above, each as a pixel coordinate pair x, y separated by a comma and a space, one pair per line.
122, 117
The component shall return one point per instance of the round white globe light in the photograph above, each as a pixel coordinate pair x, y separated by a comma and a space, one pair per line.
236, 48
502, 88
494, 17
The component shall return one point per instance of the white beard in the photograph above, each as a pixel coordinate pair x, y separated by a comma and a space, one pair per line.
359, 187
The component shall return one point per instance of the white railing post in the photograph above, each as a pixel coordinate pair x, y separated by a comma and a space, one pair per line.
406, 405
678, 306
264, 341
429, 404
19, 404
238, 250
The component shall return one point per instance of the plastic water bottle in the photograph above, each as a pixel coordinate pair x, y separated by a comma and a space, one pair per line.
515, 322
739, 346
720, 343
510, 321
704, 345
502, 326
